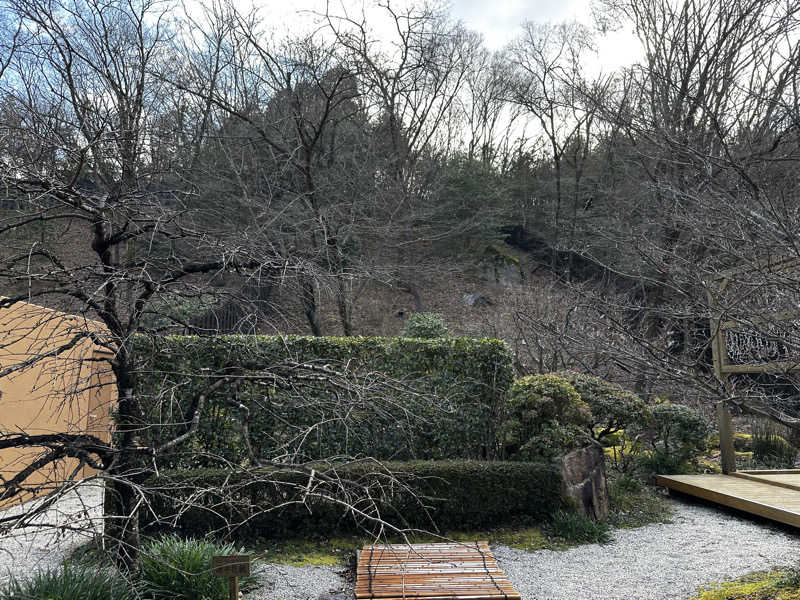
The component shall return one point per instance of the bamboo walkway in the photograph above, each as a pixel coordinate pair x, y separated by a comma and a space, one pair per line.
773, 495
466, 571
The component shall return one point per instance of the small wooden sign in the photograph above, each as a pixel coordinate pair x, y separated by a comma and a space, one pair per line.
232, 565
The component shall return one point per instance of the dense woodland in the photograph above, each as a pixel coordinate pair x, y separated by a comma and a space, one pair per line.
169, 172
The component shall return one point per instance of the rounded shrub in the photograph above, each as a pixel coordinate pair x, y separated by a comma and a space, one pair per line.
174, 568
613, 408
69, 583
545, 418
425, 325
678, 434
679, 429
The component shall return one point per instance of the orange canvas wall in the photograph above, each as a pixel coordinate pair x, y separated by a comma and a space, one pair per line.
69, 391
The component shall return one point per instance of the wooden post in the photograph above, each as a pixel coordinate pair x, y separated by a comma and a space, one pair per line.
727, 456
719, 353
231, 566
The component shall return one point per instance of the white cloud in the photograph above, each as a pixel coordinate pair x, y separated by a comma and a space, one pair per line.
498, 21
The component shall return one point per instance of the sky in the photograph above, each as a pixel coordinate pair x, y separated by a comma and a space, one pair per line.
498, 21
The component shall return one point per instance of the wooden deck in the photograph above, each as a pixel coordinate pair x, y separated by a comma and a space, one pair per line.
462, 571
773, 495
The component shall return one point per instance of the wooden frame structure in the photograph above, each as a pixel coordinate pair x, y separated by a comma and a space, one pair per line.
719, 348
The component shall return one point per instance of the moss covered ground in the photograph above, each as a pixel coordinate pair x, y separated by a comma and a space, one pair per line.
632, 505
781, 584
335, 551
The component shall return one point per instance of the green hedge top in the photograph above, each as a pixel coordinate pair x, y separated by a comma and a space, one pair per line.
487, 362
447, 406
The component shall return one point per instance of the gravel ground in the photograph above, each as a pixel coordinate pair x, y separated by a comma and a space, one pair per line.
283, 582
656, 562
29, 549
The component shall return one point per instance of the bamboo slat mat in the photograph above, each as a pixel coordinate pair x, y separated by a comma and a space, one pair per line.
465, 571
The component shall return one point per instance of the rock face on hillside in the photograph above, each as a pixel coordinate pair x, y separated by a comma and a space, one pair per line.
585, 481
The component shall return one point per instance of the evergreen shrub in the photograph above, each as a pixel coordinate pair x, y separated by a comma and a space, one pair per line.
678, 434
440, 397
613, 408
545, 417
425, 325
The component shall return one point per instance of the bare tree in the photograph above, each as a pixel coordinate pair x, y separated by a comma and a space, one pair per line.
103, 157
549, 84
693, 212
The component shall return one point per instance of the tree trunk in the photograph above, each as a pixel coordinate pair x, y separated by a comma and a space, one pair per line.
308, 297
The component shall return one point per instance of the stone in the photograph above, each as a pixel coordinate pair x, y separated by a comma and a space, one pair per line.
584, 480
476, 300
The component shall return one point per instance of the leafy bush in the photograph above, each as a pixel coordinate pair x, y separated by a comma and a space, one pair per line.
661, 463
432, 494
425, 325
68, 583
577, 528
457, 387
678, 432
613, 408
172, 568
545, 418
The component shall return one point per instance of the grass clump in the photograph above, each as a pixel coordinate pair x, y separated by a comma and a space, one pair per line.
770, 449
763, 585
68, 583
632, 504
576, 528
173, 568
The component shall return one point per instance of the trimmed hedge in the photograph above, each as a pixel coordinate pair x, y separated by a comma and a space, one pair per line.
451, 495
425, 399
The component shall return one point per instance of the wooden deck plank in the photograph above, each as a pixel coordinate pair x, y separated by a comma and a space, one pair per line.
767, 495
466, 571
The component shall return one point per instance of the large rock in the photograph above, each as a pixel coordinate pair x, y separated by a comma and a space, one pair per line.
584, 480
476, 300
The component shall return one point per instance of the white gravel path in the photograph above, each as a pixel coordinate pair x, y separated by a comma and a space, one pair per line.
657, 562
284, 582
28, 549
